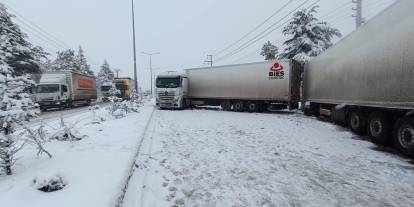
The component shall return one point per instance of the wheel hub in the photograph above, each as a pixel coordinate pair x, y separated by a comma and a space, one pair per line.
354, 121
252, 106
406, 136
376, 128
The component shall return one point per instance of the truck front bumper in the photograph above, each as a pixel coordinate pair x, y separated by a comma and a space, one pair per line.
51, 104
168, 104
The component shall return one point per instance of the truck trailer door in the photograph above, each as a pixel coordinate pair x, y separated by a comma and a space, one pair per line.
295, 84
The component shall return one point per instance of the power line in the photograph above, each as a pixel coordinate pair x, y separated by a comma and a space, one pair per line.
333, 13
37, 27
263, 33
255, 28
40, 37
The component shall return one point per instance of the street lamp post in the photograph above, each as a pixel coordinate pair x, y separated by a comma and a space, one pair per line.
135, 52
150, 56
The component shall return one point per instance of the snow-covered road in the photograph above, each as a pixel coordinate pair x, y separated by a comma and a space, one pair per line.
216, 158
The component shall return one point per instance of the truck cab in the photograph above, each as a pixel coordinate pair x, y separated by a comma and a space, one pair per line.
171, 90
52, 91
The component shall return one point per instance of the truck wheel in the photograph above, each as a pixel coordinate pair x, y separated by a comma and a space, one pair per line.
357, 122
238, 106
253, 107
226, 105
404, 136
379, 128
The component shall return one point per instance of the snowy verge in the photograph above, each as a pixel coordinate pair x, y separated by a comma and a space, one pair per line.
93, 168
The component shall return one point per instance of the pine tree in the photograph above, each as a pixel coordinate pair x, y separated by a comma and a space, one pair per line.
15, 108
308, 36
19, 53
65, 61
82, 64
106, 75
18, 59
269, 51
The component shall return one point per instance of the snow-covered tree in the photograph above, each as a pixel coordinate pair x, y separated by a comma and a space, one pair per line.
17, 52
65, 60
18, 60
15, 108
106, 75
82, 64
269, 51
308, 37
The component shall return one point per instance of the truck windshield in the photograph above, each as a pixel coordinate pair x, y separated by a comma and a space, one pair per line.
122, 87
49, 88
105, 88
168, 82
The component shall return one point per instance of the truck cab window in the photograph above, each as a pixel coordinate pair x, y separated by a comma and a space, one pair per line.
168, 82
47, 88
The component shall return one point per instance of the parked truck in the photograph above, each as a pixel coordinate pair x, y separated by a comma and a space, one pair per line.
65, 89
124, 85
366, 81
245, 87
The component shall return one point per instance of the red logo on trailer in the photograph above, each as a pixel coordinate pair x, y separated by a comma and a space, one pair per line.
276, 67
276, 72
85, 83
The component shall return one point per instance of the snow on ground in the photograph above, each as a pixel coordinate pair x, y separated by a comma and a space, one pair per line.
94, 168
215, 158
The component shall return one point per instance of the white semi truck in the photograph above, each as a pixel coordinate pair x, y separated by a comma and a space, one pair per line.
65, 89
244, 87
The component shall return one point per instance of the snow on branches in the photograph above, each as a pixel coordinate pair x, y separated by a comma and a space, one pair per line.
309, 37
269, 51
106, 75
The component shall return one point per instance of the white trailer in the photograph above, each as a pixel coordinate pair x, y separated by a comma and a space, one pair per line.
252, 87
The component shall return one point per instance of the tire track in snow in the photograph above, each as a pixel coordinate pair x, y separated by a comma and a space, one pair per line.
120, 199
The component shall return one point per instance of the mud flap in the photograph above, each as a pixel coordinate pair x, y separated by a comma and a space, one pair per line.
338, 114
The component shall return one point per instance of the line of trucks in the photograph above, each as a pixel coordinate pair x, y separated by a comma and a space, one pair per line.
366, 82
65, 89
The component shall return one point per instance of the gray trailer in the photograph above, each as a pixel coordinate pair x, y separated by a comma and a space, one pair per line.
251, 86
367, 80
65, 89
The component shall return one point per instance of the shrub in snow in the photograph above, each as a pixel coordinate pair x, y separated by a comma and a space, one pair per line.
67, 132
37, 137
49, 182
97, 117
119, 113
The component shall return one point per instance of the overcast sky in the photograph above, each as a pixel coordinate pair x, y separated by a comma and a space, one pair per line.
183, 31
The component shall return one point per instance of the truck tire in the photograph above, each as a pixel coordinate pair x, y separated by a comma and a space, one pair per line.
404, 136
238, 106
226, 105
357, 122
379, 128
253, 107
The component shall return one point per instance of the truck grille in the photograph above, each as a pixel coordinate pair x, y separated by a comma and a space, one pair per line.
47, 99
166, 96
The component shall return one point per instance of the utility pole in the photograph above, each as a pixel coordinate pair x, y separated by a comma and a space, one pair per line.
209, 60
359, 20
135, 51
117, 72
150, 56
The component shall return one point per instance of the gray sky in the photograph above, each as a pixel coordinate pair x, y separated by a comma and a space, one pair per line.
183, 31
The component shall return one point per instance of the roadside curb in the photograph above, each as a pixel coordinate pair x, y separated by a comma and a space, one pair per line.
120, 199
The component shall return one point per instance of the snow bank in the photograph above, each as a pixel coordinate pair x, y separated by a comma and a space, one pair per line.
93, 169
